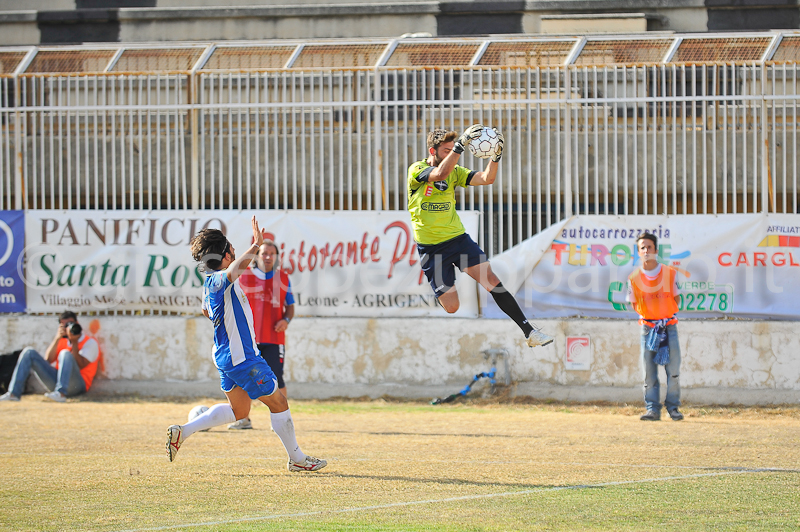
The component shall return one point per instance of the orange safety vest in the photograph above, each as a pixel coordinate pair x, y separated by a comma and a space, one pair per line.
89, 370
268, 302
655, 298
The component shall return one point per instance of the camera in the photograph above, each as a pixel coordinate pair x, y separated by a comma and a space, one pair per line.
75, 329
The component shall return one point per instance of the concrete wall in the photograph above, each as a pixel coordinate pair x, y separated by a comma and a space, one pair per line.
275, 23
620, 23
68, 21
744, 362
19, 28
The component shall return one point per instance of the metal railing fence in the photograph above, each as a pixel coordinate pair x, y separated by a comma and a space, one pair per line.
642, 139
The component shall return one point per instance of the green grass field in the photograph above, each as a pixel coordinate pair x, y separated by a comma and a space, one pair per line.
100, 464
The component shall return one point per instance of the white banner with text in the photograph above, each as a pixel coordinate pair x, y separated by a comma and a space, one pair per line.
359, 264
738, 265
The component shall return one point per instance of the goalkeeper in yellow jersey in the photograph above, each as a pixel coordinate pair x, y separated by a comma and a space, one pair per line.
442, 242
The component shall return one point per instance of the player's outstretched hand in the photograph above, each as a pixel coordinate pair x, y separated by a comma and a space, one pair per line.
472, 132
498, 151
258, 238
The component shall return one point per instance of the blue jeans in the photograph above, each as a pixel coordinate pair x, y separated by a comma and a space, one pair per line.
66, 379
652, 388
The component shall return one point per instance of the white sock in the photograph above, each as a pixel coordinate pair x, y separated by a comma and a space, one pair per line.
217, 415
284, 427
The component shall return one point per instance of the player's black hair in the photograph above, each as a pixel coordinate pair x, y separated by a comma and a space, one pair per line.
440, 136
648, 236
210, 246
68, 315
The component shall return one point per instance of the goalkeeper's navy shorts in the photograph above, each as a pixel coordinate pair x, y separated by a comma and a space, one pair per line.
439, 261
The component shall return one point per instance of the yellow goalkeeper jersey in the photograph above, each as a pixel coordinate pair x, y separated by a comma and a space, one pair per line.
433, 205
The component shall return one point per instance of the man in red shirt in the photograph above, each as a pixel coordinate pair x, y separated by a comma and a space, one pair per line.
270, 295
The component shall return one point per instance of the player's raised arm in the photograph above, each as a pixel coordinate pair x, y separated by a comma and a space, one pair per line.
238, 266
444, 165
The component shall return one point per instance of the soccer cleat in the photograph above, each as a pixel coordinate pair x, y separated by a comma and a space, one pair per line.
56, 396
174, 441
8, 396
537, 337
242, 424
309, 464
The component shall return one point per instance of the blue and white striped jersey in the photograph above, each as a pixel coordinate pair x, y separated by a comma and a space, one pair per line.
229, 310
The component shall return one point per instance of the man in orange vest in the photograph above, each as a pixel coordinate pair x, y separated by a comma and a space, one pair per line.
270, 295
653, 291
69, 365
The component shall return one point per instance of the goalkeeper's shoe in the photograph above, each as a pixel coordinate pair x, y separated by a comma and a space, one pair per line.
537, 337
309, 464
174, 441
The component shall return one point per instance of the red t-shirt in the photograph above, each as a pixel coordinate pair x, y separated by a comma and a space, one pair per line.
269, 294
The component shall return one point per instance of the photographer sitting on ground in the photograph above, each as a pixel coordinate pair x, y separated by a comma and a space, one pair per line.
70, 367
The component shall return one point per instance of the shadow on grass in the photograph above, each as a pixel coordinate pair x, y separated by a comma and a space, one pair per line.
691, 411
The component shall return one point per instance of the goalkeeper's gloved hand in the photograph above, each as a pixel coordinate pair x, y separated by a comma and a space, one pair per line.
498, 151
472, 132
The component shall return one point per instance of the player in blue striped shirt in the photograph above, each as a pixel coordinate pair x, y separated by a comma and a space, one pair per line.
244, 375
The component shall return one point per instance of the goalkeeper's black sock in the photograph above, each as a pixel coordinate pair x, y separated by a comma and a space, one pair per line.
509, 305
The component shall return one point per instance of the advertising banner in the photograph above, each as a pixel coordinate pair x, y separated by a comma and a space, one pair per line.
12, 242
738, 265
360, 264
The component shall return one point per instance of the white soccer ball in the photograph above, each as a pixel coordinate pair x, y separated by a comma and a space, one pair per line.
485, 145
196, 411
